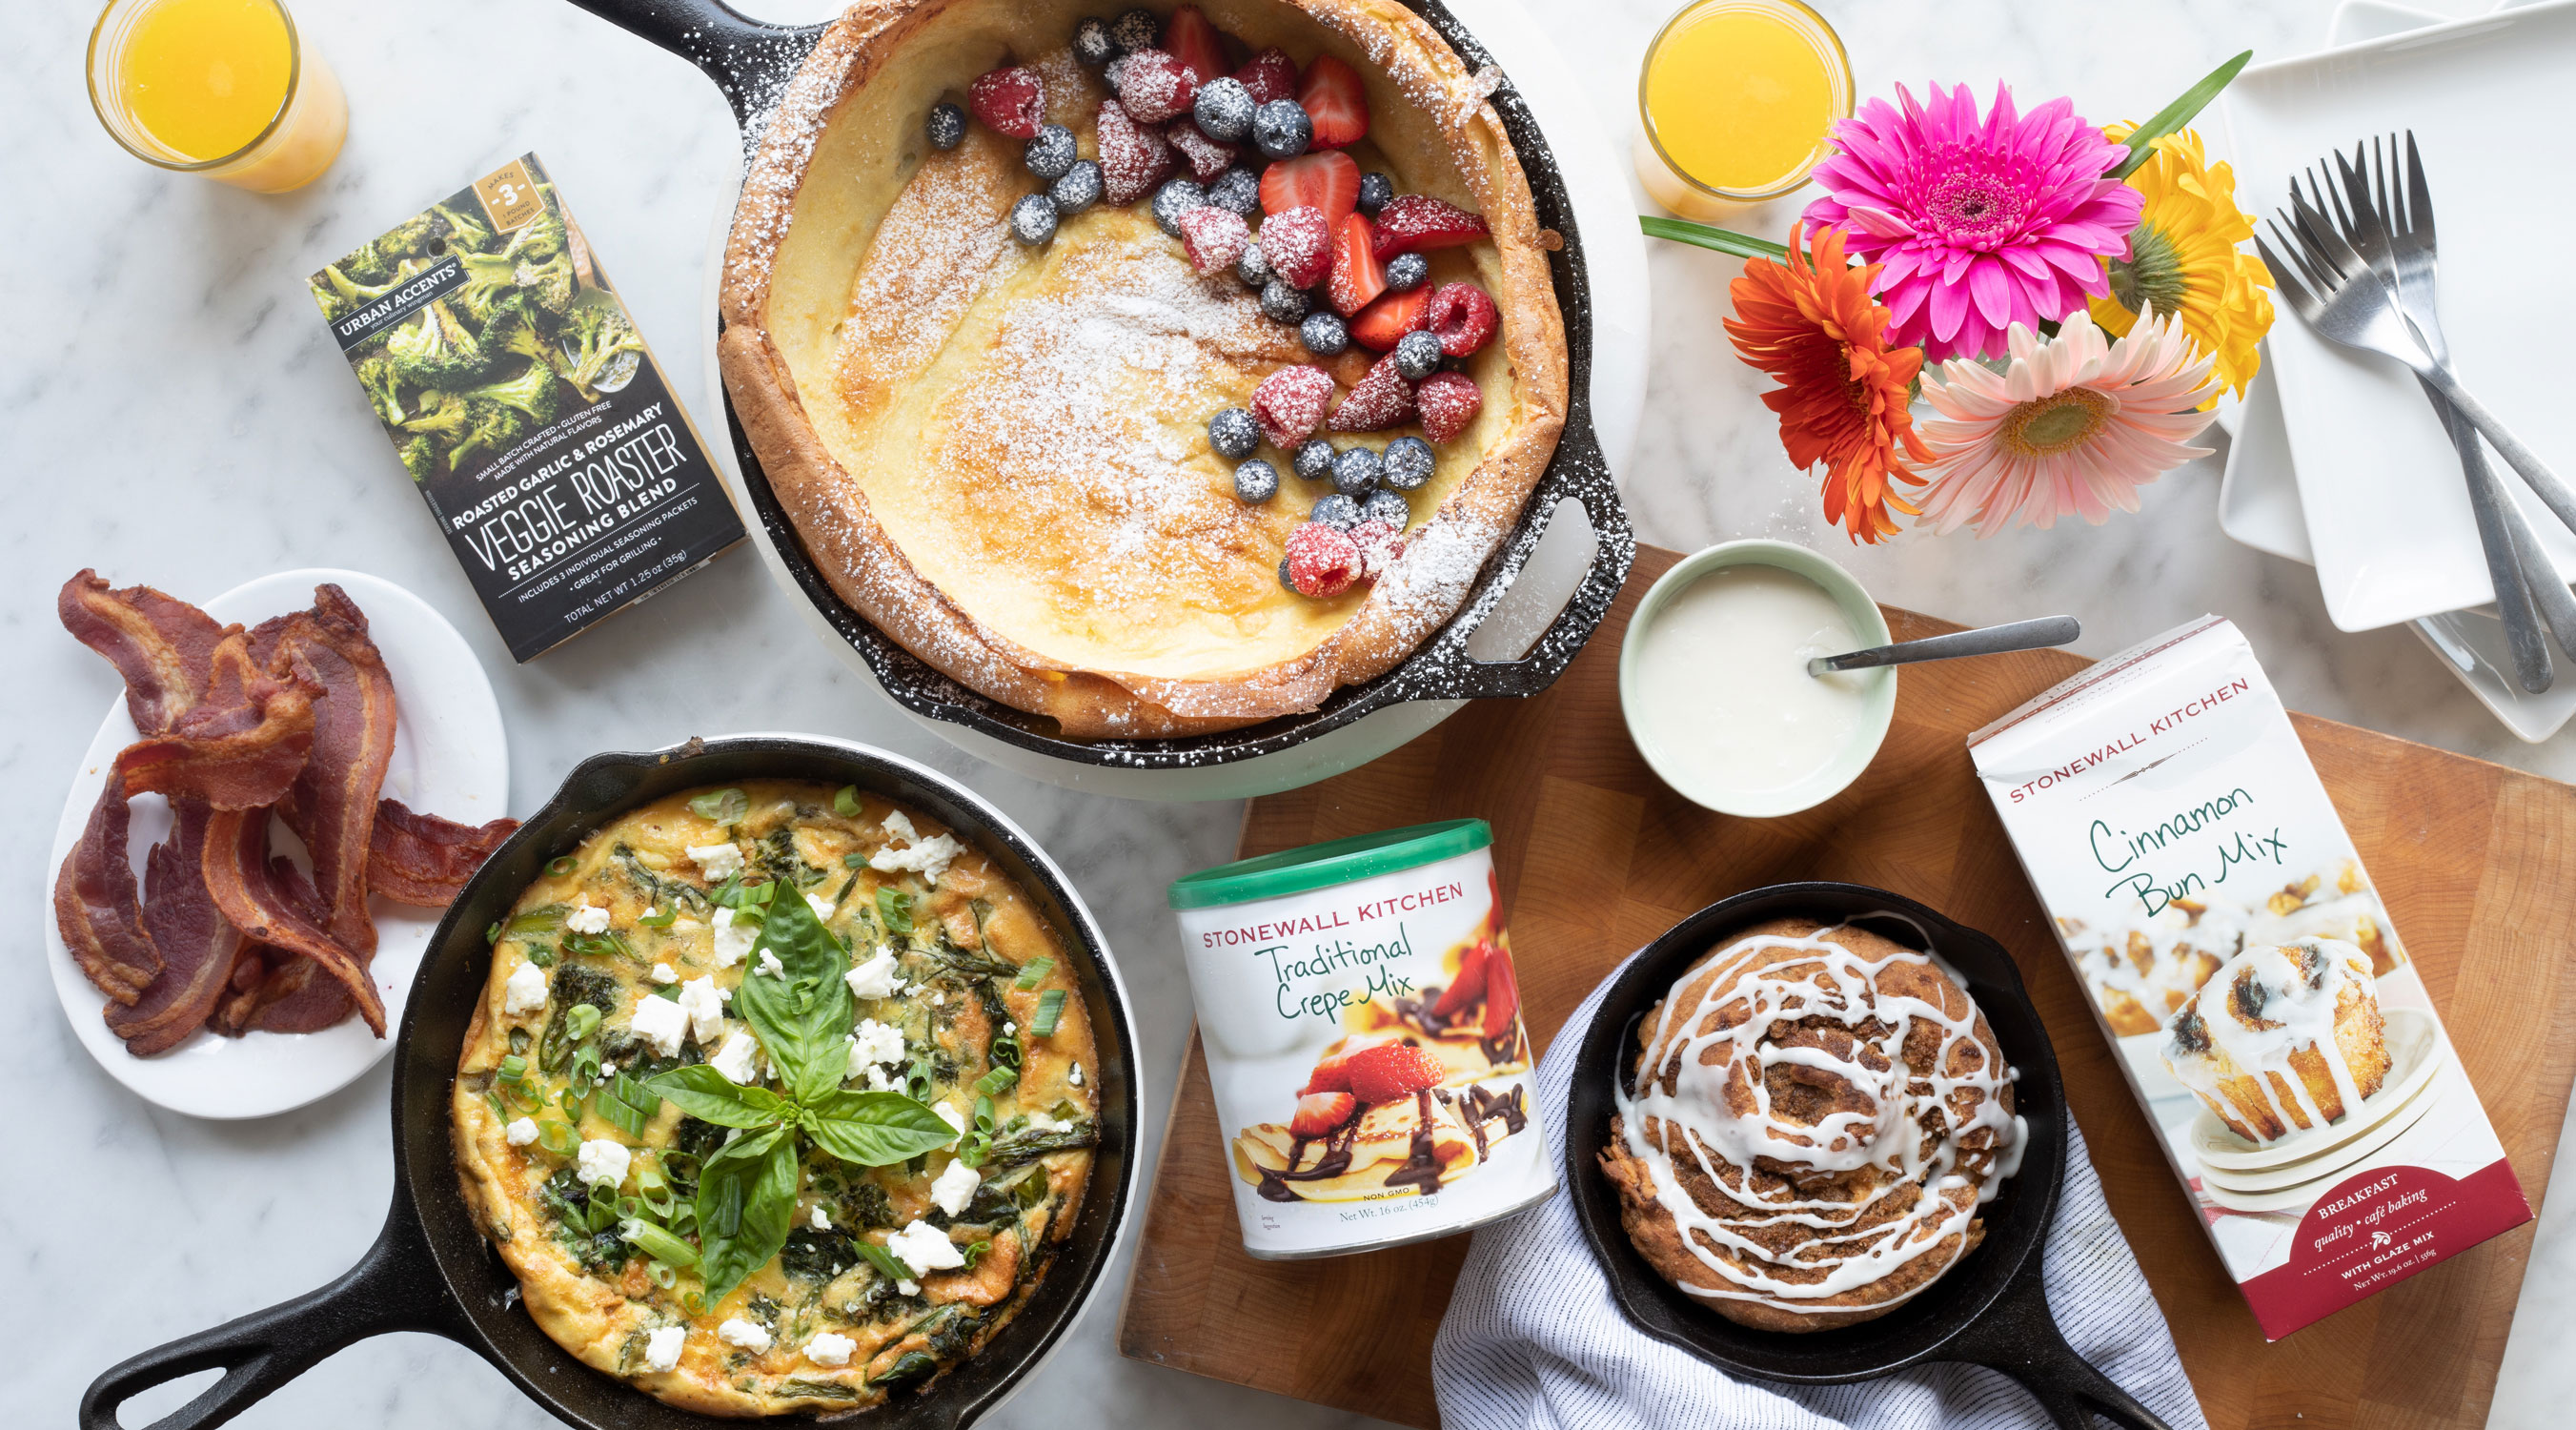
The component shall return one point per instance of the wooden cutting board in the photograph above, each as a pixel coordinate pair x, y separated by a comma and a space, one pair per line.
2477, 864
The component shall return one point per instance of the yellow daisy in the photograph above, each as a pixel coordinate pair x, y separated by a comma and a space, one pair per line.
2184, 260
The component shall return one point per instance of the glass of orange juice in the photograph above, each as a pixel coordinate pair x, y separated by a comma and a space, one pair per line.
222, 88
1737, 100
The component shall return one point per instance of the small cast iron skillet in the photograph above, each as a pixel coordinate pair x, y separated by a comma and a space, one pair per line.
431, 1270
1991, 1309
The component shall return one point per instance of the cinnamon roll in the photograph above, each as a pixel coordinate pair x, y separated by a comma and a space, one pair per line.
2143, 968
2283, 1038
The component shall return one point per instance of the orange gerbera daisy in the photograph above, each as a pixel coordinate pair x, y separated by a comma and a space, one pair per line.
1843, 394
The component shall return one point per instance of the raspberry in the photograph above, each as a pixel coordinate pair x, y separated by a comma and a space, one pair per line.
1269, 75
1322, 562
1463, 318
1449, 401
1383, 399
1318, 1113
1393, 1072
1299, 245
1380, 543
1412, 222
1213, 238
1156, 86
1206, 157
1289, 403
1133, 159
1009, 101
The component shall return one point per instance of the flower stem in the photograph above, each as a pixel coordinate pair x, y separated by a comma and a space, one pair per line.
2177, 114
1742, 245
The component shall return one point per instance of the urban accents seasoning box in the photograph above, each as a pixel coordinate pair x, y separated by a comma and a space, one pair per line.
2237, 956
526, 408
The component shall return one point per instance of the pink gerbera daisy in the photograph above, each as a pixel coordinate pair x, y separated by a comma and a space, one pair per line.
1977, 224
2074, 424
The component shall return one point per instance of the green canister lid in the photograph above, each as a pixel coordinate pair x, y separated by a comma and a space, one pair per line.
1339, 861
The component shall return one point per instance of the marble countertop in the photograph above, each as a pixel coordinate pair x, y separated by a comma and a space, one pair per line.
174, 413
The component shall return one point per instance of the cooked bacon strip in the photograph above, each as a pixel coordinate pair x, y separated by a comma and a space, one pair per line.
239, 747
332, 804
96, 907
198, 945
423, 860
163, 646
246, 886
293, 996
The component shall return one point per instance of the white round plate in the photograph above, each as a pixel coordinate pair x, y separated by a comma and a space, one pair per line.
2414, 1056
450, 759
2314, 1172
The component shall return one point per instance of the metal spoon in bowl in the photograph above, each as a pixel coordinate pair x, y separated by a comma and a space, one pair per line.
1988, 640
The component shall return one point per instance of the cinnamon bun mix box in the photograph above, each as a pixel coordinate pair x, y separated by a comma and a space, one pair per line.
2260, 999
526, 408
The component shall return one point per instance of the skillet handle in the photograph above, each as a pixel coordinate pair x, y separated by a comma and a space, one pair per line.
748, 60
1579, 471
2020, 1338
393, 1288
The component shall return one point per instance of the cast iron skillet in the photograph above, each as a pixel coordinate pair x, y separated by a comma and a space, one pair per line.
751, 62
1991, 1308
430, 1270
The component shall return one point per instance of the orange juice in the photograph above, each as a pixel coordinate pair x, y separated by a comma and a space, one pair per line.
216, 87
1737, 98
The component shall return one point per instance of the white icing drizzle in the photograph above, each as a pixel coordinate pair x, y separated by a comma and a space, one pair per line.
2264, 1006
2161, 960
1906, 1135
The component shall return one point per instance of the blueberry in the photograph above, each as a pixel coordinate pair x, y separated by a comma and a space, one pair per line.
1253, 267
1033, 219
1136, 30
1093, 45
1314, 459
1284, 583
1079, 189
1281, 129
1233, 433
1224, 110
1406, 272
1238, 189
1336, 511
1051, 155
1174, 199
1406, 464
1324, 334
1255, 482
1283, 303
1355, 472
1376, 190
1417, 355
1389, 507
946, 126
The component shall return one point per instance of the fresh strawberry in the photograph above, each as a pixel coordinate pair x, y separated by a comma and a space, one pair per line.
1269, 75
1381, 400
1193, 40
1010, 101
1299, 244
1357, 278
1394, 1071
1289, 403
1468, 988
1380, 544
1391, 317
1502, 995
1133, 159
1333, 1071
1319, 1113
1329, 183
1213, 237
1206, 157
1322, 562
1332, 96
1464, 318
1413, 223
1155, 86
1449, 402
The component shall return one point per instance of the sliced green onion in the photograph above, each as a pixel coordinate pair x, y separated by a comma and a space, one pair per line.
724, 806
558, 1138
895, 907
570, 1102
1030, 1190
1033, 972
846, 802
629, 1208
541, 956
499, 1111
885, 1262
493, 934
581, 1020
513, 1068
854, 861
662, 920
1005, 1052
557, 868
636, 1095
975, 1251
1050, 1008
917, 1081
619, 1115
995, 1081
661, 1274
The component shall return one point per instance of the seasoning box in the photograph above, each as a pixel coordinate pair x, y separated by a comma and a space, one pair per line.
526, 407
1362, 1024
2235, 953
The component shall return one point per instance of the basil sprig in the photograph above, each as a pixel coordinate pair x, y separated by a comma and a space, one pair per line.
802, 1016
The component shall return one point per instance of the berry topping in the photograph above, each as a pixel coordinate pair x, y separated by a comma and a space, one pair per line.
1407, 271
1375, 189
1380, 542
1223, 109
1386, 508
1381, 400
1033, 219
1253, 267
1237, 192
1289, 403
1411, 223
1255, 481
1314, 460
1269, 75
1392, 1071
1052, 154
946, 126
1329, 183
1156, 86
1233, 433
1336, 511
1299, 244
1406, 464
1319, 1113
1324, 334
1135, 30
1449, 401
1010, 101
1194, 42
1502, 995
1355, 472
1093, 45
1333, 1070
1322, 562
1357, 280
1206, 157
1417, 354
1281, 129
1468, 988
1464, 318
1175, 199
1386, 321
1133, 158
1079, 189
1213, 237
1332, 97
1284, 302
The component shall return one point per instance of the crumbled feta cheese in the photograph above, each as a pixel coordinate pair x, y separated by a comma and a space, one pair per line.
875, 978
874, 1042
705, 1007
525, 992
1040, 1122
734, 1059
733, 940
937, 998
521, 1132
953, 1117
1075, 1077
660, 1022
665, 973
662, 1348
603, 1163
924, 1247
717, 861
955, 1187
930, 858
908, 1288
770, 965
878, 1081
821, 906
899, 824
1010, 1028
823, 1222
830, 1349
750, 1335
584, 918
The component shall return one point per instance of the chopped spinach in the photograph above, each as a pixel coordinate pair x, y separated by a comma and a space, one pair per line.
819, 1389
1030, 1144
700, 1139
776, 856
818, 1255
574, 986
657, 889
